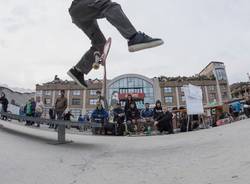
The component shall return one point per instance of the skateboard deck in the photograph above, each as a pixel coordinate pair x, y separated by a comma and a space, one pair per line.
101, 59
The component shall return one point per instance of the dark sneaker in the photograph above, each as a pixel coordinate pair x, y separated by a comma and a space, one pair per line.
78, 77
142, 41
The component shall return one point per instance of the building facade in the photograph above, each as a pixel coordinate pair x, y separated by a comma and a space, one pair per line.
240, 90
146, 90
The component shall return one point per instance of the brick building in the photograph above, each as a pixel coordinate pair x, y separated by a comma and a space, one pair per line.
212, 79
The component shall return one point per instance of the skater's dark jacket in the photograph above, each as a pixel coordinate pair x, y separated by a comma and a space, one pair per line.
158, 112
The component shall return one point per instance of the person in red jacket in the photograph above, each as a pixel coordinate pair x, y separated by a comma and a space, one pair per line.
84, 14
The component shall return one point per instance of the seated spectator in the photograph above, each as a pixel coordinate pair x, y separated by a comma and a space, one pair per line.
119, 117
119, 114
81, 120
147, 113
133, 117
99, 115
147, 117
164, 122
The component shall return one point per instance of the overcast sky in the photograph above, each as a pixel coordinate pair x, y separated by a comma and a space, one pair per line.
38, 40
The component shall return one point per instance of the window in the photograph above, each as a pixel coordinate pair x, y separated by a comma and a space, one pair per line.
47, 101
39, 93
93, 101
48, 93
76, 93
167, 90
76, 101
182, 89
212, 96
221, 74
223, 87
183, 98
169, 99
224, 95
211, 88
92, 92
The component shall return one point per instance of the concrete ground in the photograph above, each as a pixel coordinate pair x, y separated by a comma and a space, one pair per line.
213, 156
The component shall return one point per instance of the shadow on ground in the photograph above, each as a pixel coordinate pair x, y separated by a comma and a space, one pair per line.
48, 141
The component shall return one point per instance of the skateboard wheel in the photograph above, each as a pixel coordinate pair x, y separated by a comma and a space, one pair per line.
96, 66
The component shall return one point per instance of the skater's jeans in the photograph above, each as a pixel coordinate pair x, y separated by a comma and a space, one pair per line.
84, 14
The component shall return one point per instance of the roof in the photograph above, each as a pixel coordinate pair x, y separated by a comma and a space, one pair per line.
212, 62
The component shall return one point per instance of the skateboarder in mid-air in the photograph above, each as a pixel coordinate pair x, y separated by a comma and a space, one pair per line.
84, 14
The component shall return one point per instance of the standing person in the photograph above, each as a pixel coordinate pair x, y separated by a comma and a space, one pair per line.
4, 101
128, 103
68, 115
158, 111
39, 109
102, 100
33, 109
29, 111
52, 116
84, 14
60, 106
236, 109
165, 122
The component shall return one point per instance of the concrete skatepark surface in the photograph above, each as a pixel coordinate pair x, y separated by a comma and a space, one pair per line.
213, 156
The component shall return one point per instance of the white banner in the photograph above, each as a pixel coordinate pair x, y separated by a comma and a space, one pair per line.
193, 95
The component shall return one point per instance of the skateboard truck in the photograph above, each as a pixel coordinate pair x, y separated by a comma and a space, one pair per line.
98, 60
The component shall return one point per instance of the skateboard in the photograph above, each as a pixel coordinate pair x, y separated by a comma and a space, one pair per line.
101, 59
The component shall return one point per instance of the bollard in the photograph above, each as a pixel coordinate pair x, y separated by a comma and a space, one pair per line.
61, 134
